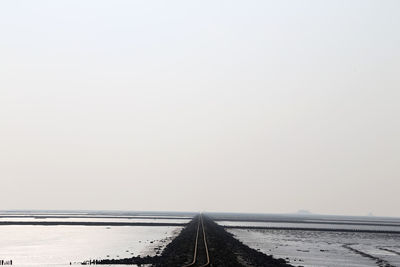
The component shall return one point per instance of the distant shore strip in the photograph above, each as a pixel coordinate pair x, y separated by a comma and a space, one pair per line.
61, 223
55, 223
313, 229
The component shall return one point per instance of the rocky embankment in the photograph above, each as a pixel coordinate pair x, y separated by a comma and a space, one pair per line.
224, 250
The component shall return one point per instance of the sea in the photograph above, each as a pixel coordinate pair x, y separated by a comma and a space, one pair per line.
65, 238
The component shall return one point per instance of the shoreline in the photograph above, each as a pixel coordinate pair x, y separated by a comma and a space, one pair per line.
155, 224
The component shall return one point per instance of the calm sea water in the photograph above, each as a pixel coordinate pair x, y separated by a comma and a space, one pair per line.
60, 245
36, 245
110, 220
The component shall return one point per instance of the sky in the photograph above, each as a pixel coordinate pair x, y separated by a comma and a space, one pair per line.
237, 106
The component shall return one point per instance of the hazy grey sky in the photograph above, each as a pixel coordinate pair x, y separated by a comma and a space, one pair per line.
252, 106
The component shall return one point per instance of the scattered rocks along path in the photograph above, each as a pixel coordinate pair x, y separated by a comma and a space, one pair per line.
224, 249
